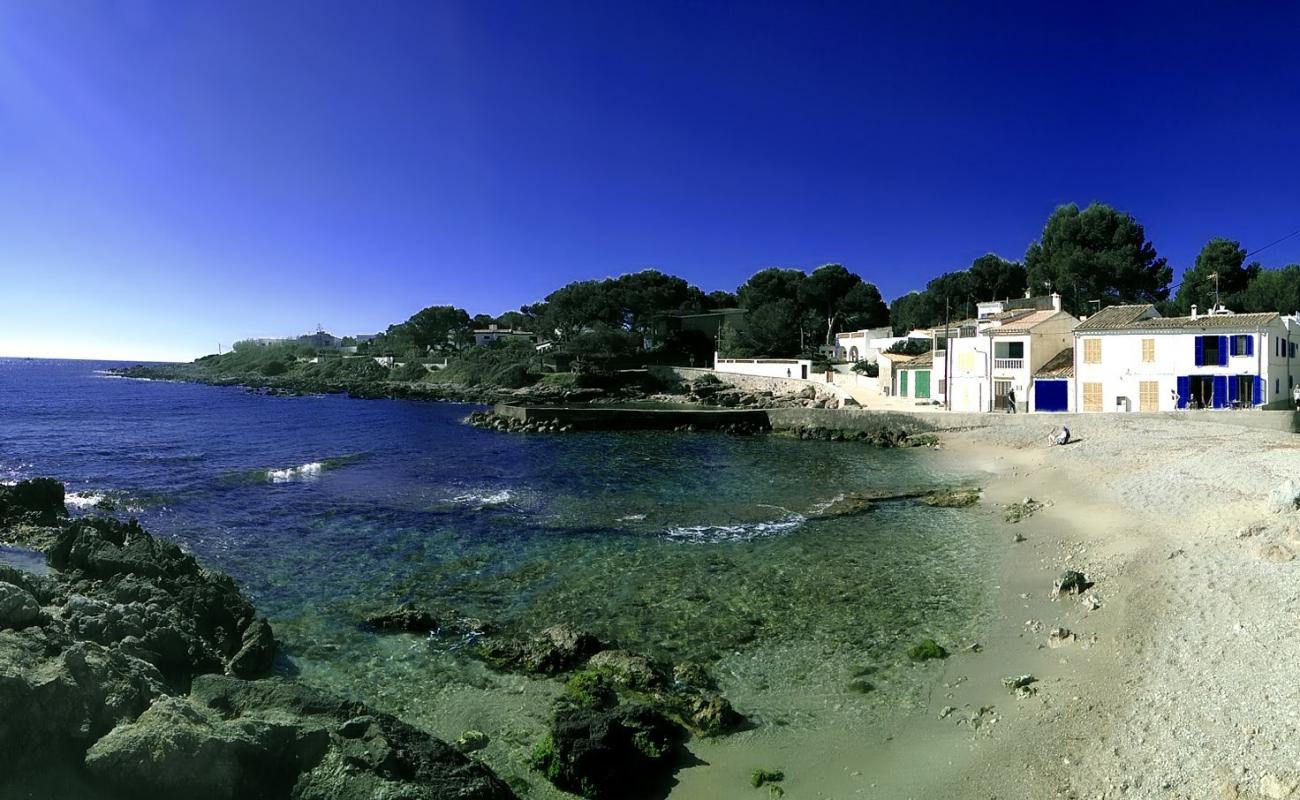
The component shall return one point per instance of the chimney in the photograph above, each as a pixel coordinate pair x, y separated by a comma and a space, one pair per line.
1193, 311
1056, 302
1028, 293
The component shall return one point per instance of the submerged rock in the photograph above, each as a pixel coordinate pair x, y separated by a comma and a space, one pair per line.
406, 618
953, 498
627, 669
926, 650
555, 650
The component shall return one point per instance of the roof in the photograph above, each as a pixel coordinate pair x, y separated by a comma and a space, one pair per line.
1060, 365
923, 361
1137, 318
1025, 323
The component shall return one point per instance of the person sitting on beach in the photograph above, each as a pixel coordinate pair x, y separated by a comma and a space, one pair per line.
1059, 437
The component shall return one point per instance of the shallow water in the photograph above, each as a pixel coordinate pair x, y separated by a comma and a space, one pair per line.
683, 546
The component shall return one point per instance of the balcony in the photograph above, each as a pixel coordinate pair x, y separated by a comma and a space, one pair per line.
1008, 363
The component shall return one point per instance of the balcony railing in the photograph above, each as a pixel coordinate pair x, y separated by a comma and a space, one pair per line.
1008, 363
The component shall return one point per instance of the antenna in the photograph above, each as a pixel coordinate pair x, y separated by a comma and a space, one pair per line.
1215, 276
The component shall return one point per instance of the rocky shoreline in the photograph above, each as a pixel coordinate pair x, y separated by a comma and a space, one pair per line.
128, 670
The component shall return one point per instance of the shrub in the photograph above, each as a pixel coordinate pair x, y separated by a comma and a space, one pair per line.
764, 776
271, 368
926, 650
410, 371
591, 689
869, 368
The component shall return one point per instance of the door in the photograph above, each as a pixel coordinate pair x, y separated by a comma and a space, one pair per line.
922, 388
1051, 396
1148, 395
1092, 397
1000, 391
902, 383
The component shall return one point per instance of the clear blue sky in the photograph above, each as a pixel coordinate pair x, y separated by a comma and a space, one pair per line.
174, 175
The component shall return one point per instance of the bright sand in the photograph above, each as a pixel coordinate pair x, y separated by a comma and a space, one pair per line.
1182, 684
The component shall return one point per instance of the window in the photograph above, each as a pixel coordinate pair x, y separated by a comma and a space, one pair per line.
1277, 386
1091, 391
1242, 345
1148, 395
1148, 351
1008, 349
1293, 349
1092, 354
1210, 350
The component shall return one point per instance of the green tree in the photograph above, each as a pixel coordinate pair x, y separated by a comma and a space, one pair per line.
720, 299
835, 293
437, 327
1272, 290
646, 294
1097, 254
775, 324
1222, 257
991, 277
578, 306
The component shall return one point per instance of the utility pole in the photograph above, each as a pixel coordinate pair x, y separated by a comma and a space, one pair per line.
1215, 276
947, 337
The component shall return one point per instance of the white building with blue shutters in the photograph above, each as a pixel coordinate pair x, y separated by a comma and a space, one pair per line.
1129, 358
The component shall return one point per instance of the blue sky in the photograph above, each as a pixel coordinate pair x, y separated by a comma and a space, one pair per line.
178, 175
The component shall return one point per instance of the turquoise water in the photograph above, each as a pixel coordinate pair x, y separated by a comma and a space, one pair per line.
699, 547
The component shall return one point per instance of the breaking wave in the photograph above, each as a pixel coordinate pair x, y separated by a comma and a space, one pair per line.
482, 498
307, 471
740, 532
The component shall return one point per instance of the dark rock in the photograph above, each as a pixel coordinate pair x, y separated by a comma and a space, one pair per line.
39, 500
404, 618
712, 715
1070, 582
689, 675
256, 653
18, 607
628, 751
555, 650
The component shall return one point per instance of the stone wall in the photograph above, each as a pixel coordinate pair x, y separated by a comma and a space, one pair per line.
587, 418
752, 383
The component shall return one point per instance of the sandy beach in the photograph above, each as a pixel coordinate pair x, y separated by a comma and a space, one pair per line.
1179, 679
1172, 676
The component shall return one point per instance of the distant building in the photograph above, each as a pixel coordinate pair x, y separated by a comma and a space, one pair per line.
492, 333
855, 346
320, 339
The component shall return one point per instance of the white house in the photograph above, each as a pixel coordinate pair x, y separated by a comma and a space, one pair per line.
858, 346
1002, 352
1129, 358
920, 377
492, 333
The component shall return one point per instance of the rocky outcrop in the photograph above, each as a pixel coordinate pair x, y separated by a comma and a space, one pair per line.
628, 751
127, 672
277, 738
552, 651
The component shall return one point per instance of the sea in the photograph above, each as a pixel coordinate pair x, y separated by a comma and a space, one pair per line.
701, 547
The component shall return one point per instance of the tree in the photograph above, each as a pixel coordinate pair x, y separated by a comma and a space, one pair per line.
1222, 257
836, 293
991, 277
646, 294
437, 327
909, 312
1273, 290
1097, 254
578, 306
775, 324
720, 299
910, 347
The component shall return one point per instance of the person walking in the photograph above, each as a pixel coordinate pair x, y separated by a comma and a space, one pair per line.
1011, 401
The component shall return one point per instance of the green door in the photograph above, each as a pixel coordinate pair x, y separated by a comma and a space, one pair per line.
923, 383
902, 383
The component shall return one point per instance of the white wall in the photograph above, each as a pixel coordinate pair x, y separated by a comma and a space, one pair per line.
767, 367
1122, 369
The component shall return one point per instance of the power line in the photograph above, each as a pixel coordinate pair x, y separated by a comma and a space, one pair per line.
1270, 244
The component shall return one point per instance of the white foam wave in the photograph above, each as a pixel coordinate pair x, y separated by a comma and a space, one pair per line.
744, 532
310, 470
631, 518
84, 499
484, 498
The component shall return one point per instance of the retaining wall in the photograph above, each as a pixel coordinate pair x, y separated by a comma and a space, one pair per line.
585, 418
752, 383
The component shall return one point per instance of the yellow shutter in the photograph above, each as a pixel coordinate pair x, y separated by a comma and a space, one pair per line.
1091, 393
1148, 351
1148, 393
1092, 352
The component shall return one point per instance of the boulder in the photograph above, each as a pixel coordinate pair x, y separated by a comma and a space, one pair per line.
256, 653
1285, 497
18, 608
1070, 582
553, 651
627, 669
405, 617
624, 752
807, 393
711, 714
39, 500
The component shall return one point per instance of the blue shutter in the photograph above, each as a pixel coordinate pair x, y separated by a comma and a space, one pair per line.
1233, 389
1220, 398
1223, 351
1232, 344
1200, 351
1258, 399
1250, 345
1184, 389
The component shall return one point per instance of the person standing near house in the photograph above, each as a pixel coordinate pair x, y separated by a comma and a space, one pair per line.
1011, 400
1173, 395
1295, 395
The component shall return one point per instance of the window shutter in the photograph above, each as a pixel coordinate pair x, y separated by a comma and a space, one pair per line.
1250, 345
1232, 345
1223, 351
1233, 388
1220, 398
1184, 389
1258, 399
1199, 346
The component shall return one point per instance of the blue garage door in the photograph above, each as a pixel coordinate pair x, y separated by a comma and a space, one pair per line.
1051, 396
